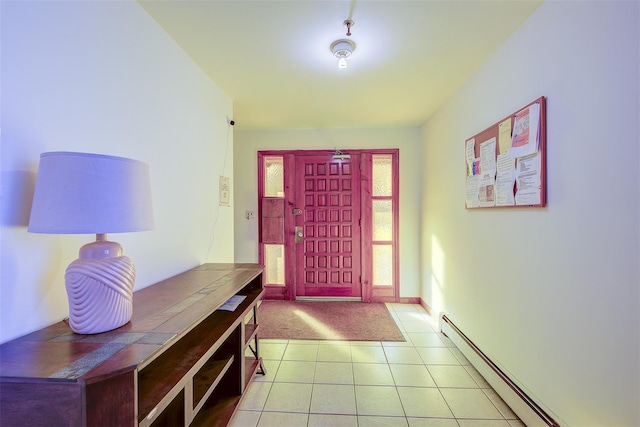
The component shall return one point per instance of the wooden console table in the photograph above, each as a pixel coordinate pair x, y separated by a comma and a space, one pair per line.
180, 361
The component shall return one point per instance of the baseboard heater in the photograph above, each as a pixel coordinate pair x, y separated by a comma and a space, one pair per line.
524, 407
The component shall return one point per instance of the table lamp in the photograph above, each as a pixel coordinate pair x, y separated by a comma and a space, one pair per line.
84, 193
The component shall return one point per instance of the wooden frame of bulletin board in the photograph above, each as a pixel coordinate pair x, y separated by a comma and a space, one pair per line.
506, 164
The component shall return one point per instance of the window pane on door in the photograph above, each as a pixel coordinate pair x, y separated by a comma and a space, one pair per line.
274, 264
382, 175
382, 265
273, 177
382, 220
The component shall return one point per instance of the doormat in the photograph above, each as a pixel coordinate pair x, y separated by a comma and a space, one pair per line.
327, 320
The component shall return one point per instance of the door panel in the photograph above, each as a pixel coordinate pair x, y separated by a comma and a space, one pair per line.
328, 255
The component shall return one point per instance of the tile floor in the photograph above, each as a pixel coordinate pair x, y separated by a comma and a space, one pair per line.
424, 381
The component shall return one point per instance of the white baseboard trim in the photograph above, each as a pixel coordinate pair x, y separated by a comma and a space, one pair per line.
522, 405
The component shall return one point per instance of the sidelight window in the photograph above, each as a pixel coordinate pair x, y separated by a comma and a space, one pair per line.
273, 182
273, 176
383, 219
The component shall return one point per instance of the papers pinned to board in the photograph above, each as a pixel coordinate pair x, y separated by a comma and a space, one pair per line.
505, 178
481, 176
505, 163
524, 140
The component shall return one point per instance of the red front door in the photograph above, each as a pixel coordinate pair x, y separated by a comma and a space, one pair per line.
327, 248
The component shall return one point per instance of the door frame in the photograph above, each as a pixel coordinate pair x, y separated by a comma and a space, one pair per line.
369, 292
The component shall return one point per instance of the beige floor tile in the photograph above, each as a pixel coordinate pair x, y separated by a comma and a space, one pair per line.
412, 316
422, 382
399, 324
398, 307
470, 403
361, 354
483, 423
434, 323
306, 342
289, 397
328, 420
447, 341
423, 402
333, 399
412, 376
420, 326
334, 352
504, 409
378, 401
461, 357
245, 419
404, 355
274, 341
333, 373
437, 356
365, 343
369, 421
479, 379
406, 343
272, 350
451, 376
255, 396
372, 374
282, 419
426, 339
271, 366
432, 422
308, 352
296, 371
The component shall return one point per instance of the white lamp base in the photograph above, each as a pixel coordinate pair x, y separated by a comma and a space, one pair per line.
100, 288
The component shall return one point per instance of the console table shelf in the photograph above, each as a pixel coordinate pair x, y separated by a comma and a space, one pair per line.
180, 361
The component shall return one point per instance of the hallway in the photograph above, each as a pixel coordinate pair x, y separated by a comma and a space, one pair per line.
421, 382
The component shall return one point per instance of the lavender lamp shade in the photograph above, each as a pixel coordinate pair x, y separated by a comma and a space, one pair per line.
82, 193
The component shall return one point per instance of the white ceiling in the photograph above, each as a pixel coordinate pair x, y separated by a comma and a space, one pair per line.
272, 58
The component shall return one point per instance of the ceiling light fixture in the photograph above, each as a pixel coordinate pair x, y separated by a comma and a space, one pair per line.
349, 23
342, 50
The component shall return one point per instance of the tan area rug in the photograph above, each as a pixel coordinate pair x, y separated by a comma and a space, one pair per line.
305, 320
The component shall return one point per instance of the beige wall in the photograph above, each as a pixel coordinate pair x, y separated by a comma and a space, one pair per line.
552, 294
101, 77
249, 142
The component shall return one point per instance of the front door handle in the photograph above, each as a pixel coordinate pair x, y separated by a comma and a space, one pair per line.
299, 234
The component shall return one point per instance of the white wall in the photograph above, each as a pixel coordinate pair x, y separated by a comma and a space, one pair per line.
104, 77
550, 294
249, 142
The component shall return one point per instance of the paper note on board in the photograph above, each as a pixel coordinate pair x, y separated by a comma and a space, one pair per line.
529, 170
505, 179
488, 157
472, 200
528, 183
486, 191
528, 197
474, 167
470, 152
525, 132
504, 136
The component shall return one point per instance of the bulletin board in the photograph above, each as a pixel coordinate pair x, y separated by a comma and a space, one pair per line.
506, 164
